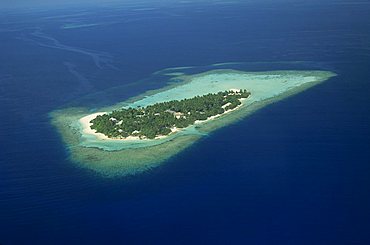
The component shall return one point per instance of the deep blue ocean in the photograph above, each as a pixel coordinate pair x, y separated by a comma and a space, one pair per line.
295, 172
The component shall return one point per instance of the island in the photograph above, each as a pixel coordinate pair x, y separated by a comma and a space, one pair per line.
143, 132
161, 119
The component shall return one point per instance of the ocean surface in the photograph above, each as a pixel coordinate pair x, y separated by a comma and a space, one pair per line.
295, 172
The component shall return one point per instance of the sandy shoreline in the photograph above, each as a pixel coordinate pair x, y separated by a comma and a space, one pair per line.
86, 124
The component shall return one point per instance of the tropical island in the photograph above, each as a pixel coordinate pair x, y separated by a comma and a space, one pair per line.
161, 119
141, 133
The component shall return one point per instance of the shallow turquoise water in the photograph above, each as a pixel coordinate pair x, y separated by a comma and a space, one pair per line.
263, 86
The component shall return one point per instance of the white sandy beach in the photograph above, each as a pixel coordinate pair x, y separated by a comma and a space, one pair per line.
85, 123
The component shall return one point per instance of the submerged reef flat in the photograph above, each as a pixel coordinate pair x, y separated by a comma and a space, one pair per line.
111, 157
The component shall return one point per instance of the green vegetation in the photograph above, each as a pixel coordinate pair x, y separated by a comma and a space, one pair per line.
161, 118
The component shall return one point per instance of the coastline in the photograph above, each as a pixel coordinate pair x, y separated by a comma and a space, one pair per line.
86, 125
113, 158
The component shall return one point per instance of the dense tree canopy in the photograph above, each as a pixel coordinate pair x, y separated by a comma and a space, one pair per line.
161, 118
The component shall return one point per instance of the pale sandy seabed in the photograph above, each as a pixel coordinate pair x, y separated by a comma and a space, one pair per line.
112, 158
